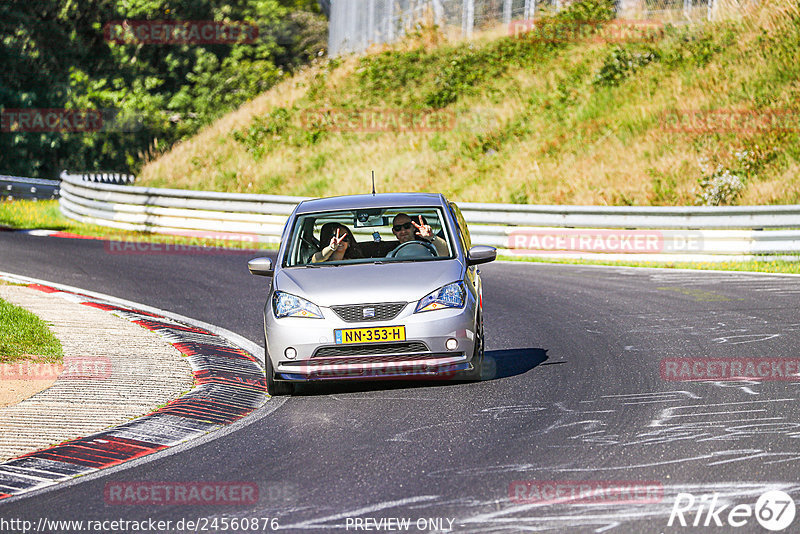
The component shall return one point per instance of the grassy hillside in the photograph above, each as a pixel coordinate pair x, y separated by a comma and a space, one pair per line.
529, 121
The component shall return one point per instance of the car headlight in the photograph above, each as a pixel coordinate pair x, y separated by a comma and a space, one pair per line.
287, 305
449, 296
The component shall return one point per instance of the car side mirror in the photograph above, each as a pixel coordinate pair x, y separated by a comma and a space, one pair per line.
261, 267
481, 254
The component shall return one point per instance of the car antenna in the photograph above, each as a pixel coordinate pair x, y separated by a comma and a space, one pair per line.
373, 183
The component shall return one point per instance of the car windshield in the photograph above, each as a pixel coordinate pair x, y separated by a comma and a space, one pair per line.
369, 235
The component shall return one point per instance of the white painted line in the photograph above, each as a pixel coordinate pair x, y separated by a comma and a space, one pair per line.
659, 270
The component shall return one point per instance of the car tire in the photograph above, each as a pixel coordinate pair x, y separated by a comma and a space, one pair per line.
275, 388
476, 374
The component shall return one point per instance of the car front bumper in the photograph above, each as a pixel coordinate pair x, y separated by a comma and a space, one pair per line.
423, 354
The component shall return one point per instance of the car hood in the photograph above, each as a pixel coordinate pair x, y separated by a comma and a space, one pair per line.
367, 283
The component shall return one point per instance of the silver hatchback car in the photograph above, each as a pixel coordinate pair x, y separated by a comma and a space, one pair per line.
373, 287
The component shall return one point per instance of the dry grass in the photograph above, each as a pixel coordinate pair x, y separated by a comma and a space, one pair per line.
214, 145
608, 147
771, 15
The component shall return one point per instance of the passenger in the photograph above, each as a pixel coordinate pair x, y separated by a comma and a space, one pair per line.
341, 244
406, 230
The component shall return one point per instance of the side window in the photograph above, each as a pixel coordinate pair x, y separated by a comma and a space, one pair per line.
302, 244
285, 233
463, 231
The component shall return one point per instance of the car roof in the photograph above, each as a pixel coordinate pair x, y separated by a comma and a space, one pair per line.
380, 200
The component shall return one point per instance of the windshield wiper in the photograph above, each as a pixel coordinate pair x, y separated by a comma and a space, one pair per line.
386, 261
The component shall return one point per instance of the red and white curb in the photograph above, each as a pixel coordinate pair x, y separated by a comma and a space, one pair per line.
229, 384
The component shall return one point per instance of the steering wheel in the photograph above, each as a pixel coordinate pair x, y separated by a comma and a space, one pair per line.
413, 249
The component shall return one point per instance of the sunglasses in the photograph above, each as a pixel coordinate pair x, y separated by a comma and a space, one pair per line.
404, 226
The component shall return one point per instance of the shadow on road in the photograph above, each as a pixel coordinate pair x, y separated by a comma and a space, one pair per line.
511, 362
497, 364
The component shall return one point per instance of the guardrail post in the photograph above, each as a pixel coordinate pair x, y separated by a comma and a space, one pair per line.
468, 18
370, 33
507, 12
526, 13
389, 20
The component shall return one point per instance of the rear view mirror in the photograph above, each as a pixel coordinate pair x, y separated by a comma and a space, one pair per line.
481, 254
261, 267
369, 218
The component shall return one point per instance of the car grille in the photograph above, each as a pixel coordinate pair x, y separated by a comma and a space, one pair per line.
382, 312
371, 350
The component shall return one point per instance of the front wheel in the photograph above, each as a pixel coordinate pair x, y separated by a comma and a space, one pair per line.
275, 388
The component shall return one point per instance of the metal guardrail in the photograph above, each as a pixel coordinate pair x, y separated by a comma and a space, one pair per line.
699, 218
16, 187
610, 232
175, 211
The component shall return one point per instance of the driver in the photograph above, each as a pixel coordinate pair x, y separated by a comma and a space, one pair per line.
406, 230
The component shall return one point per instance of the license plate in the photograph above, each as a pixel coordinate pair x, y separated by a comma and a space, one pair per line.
373, 334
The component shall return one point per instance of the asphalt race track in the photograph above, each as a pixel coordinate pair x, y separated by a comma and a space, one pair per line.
580, 394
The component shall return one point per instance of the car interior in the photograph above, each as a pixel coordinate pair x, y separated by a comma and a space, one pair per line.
372, 230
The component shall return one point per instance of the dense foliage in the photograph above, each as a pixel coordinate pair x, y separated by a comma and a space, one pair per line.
55, 55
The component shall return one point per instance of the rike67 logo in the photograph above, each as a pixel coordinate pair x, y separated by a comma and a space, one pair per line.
774, 510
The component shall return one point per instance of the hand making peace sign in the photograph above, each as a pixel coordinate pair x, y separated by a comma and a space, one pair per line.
424, 230
338, 242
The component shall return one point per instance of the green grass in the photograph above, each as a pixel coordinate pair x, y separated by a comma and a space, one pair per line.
29, 214
778, 266
45, 214
23, 336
